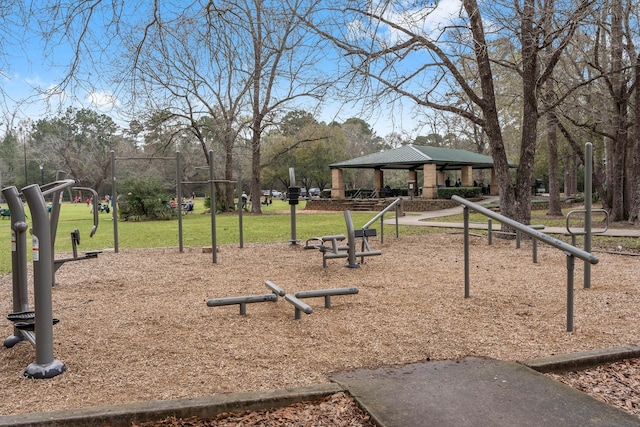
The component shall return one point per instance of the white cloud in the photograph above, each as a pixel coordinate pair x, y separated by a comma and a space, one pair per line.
425, 18
102, 100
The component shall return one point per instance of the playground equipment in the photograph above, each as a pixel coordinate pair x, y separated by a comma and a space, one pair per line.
75, 234
326, 294
293, 194
330, 247
38, 323
180, 212
242, 301
275, 288
570, 251
295, 300
299, 306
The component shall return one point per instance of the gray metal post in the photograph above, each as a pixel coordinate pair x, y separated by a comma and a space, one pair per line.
179, 196
294, 239
54, 216
489, 232
517, 239
382, 228
351, 240
570, 269
18, 258
292, 183
534, 244
212, 199
45, 366
588, 167
465, 215
397, 223
240, 210
114, 194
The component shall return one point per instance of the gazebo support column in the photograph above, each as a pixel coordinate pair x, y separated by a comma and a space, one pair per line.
337, 184
429, 186
441, 177
413, 178
467, 176
378, 182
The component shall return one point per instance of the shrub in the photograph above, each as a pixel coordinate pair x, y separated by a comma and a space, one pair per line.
144, 200
466, 192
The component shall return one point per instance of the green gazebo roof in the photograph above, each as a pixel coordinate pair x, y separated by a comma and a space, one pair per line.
415, 157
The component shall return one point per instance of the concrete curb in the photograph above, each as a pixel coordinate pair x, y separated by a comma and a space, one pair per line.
582, 360
204, 407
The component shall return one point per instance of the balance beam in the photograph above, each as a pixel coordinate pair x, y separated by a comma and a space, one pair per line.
299, 306
275, 288
242, 301
327, 294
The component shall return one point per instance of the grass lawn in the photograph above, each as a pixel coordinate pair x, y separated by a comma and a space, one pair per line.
274, 225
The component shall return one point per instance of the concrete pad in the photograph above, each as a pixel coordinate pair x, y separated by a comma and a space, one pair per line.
474, 392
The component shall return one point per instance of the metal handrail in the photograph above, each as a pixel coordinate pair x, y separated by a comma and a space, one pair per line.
382, 212
380, 215
576, 211
569, 249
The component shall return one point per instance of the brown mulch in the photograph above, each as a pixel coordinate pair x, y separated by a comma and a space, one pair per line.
615, 383
134, 326
337, 410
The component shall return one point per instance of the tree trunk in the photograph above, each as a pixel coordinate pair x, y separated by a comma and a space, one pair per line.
490, 111
529, 112
616, 149
634, 210
554, 185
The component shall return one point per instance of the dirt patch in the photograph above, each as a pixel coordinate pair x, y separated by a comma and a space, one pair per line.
134, 326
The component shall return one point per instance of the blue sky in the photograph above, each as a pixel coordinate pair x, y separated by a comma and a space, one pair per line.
32, 67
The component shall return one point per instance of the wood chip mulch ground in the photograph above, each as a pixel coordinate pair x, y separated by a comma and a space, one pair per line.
134, 325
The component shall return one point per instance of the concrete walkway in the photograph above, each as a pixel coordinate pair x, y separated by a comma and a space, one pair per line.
429, 219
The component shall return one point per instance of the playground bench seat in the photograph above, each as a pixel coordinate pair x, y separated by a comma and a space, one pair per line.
321, 243
365, 249
331, 248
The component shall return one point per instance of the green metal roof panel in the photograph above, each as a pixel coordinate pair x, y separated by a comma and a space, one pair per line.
414, 157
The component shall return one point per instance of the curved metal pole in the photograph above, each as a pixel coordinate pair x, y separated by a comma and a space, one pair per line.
95, 207
351, 240
45, 366
18, 258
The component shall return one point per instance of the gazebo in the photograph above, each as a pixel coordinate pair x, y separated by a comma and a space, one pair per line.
433, 161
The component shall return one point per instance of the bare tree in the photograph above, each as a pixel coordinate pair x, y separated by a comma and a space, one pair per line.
604, 112
394, 48
281, 59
